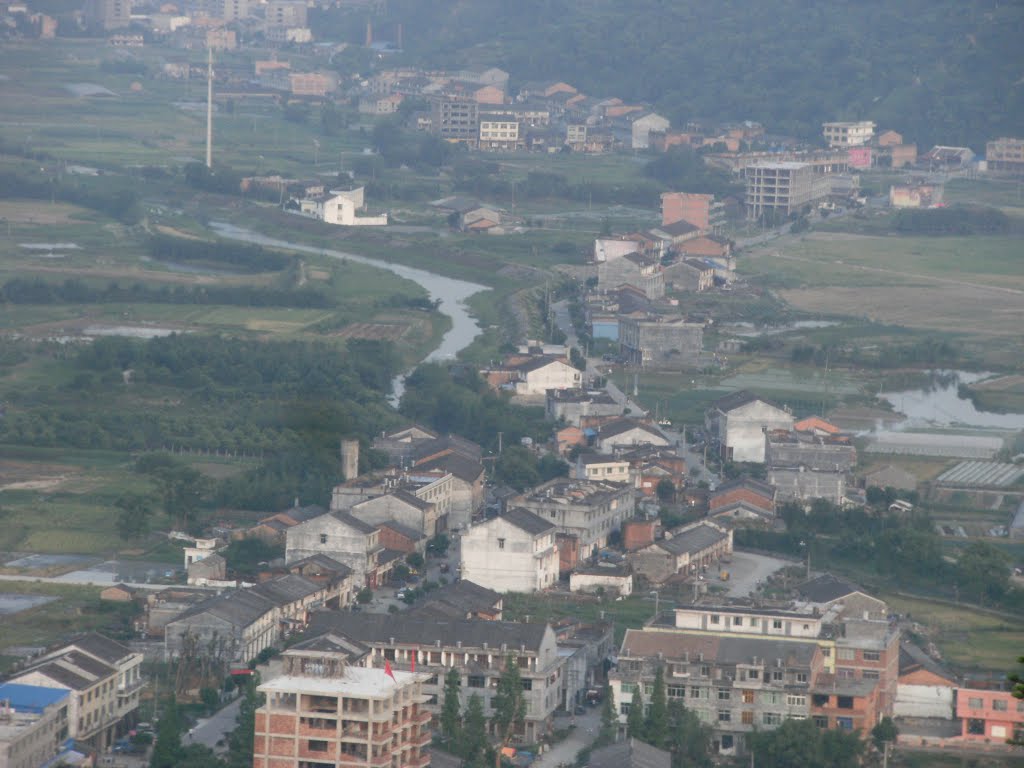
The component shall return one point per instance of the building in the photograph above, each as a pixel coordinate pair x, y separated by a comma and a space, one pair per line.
804, 483
323, 711
33, 724
737, 422
1005, 156
478, 649
640, 271
657, 341
286, 13
601, 467
210, 568
686, 551
340, 208
744, 497
629, 753
918, 195
783, 188
584, 509
433, 487
627, 433
341, 536
381, 105
574, 405
642, 127
462, 599
499, 135
924, 689
315, 84
538, 375
891, 477
109, 14
989, 715
691, 274
455, 119
126, 662
903, 155
400, 506
612, 579
467, 485
701, 211
805, 465
843, 135
513, 552
401, 538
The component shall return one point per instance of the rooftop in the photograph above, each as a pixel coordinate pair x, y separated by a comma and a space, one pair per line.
718, 648
630, 753
564, 491
30, 698
826, 588
358, 681
527, 521
693, 540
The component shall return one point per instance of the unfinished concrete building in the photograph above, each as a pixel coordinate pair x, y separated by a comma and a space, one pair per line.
654, 341
781, 189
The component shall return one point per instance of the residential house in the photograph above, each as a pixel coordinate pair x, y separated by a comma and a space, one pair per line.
338, 579
420, 515
538, 375
33, 724
627, 432
691, 275
342, 537
903, 155
660, 341
644, 273
843, 135
462, 599
273, 530
916, 195
323, 710
1005, 156
513, 552
989, 715
644, 125
568, 438
637, 534
949, 158
573, 405
211, 568
924, 689
340, 208
478, 649
316, 84
602, 467
805, 465
585, 509
826, 592
164, 606
499, 134
381, 105
431, 486
612, 579
398, 443
744, 497
685, 551
119, 593
805, 484
455, 119
629, 753
736, 424
675, 234
699, 210
401, 538
889, 138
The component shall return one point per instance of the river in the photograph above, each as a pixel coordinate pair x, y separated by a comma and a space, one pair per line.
451, 293
939, 404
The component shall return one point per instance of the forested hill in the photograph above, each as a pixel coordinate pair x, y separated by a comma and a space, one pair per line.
940, 71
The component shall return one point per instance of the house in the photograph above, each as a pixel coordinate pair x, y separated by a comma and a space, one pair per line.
597, 466
339, 207
690, 275
163, 606
627, 432
462, 599
612, 579
300, 721
317, 84
805, 465
433, 487
513, 552
917, 195
381, 105
398, 443
342, 537
480, 219
989, 715
210, 568
588, 510
637, 534
947, 157
540, 374
804, 484
842, 135
477, 649
828, 591
903, 155
698, 210
201, 548
685, 551
402, 538
660, 342
643, 126
675, 234
736, 424
573, 405
34, 724
421, 515
744, 497
119, 593
273, 529
629, 753
568, 438
642, 272
1005, 156
338, 579
923, 689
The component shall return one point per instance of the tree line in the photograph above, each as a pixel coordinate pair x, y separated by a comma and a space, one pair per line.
107, 197
242, 257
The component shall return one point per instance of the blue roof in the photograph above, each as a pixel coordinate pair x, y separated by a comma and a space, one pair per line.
31, 698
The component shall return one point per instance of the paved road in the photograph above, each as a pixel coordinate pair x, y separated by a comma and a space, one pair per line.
583, 735
96, 580
212, 729
747, 570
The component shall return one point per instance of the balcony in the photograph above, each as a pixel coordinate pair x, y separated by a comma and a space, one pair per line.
130, 688
421, 760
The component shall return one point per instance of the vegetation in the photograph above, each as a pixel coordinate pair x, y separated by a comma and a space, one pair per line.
959, 220
799, 743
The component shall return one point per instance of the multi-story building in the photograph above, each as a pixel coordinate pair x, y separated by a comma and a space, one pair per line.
702, 211
736, 424
109, 14
286, 13
513, 552
659, 341
33, 724
317, 84
127, 662
573, 405
323, 711
478, 649
1005, 156
341, 536
586, 509
989, 715
233, 10
498, 134
455, 119
843, 135
783, 188
434, 486
601, 467
686, 551
641, 271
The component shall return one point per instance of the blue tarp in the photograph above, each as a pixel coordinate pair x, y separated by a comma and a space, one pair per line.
31, 698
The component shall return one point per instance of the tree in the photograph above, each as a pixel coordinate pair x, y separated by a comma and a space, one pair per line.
799, 743
474, 733
167, 750
885, 731
517, 467
415, 559
451, 717
508, 702
609, 719
635, 719
656, 724
181, 489
983, 571
689, 739
666, 491
135, 511
364, 596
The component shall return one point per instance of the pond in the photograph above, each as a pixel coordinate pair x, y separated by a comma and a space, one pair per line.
939, 404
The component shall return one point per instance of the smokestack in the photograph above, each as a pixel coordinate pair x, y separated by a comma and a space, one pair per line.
369, 33
209, 107
350, 459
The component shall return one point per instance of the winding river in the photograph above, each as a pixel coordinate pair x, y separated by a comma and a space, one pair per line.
451, 293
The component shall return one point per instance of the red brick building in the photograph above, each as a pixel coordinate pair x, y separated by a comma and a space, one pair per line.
990, 715
637, 534
744, 497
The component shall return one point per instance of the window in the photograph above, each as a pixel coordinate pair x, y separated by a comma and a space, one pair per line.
826, 652
747, 717
845, 672
754, 674
727, 741
771, 697
820, 720
755, 623
999, 705
976, 727
771, 718
776, 623
846, 654
869, 674
777, 675
316, 745
724, 694
629, 688
872, 655
714, 618
501, 543
976, 703
705, 671
695, 692
527, 685
476, 681
648, 689
724, 716
624, 709
323, 538
844, 723
801, 677
796, 700
844, 702
737, 621
748, 697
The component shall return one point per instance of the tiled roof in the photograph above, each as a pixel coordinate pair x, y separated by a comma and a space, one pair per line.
527, 521
694, 540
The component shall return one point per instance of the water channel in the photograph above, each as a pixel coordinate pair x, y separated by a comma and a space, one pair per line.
451, 293
939, 404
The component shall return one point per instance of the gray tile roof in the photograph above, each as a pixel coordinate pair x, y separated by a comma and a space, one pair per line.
720, 649
630, 753
405, 530
413, 630
692, 541
352, 522
285, 589
826, 588
527, 521
101, 647
463, 467
240, 608
324, 562
460, 599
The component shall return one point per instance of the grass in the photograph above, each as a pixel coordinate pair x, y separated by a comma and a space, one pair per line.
969, 639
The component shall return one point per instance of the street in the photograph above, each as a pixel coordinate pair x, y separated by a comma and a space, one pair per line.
583, 735
211, 730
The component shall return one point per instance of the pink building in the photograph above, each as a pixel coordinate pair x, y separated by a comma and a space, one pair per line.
860, 157
990, 715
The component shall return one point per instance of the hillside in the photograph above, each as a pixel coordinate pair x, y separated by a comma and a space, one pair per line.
941, 71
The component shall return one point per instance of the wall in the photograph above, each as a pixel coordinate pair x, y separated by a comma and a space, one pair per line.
742, 429
503, 557
590, 582
923, 701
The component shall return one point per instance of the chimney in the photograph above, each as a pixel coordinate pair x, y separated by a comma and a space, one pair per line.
350, 458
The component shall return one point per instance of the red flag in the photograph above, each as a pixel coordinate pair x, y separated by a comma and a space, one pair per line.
388, 672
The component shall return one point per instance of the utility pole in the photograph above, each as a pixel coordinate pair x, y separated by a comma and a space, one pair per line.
885, 753
500, 436
209, 107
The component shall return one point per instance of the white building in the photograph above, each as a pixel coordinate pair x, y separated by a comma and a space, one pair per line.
737, 423
537, 376
514, 552
643, 126
340, 207
596, 466
848, 134
627, 432
608, 578
341, 536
